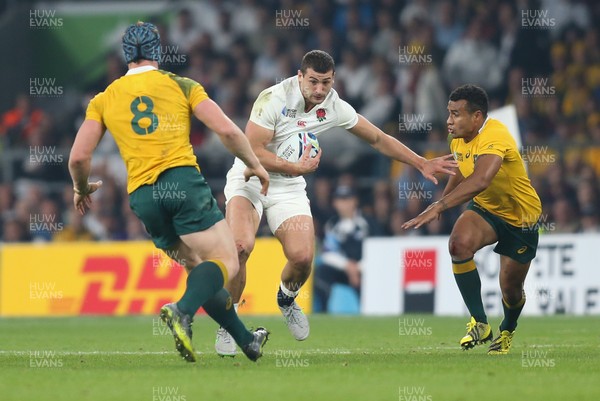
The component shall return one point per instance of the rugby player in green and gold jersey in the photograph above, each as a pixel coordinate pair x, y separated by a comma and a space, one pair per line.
503, 208
148, 112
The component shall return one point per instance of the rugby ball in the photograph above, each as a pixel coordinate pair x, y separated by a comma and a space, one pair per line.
293, 147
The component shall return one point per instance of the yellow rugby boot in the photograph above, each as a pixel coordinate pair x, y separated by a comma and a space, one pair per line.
477, 333
501, 344
181, 327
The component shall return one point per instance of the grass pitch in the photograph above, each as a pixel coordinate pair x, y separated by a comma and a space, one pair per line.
411, 357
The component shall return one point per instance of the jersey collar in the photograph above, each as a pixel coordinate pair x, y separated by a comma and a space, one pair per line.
139, 70
484, 123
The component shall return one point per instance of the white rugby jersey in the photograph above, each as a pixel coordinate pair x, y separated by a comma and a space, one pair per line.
281, 108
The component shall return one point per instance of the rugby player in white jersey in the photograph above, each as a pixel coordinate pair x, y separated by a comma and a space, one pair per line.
302, 103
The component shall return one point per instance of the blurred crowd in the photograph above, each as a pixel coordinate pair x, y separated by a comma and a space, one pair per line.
396, 63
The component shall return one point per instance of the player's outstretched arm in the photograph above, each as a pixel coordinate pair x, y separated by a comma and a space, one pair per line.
80, 159
259, 137
486, 168
395, 149
233, 138
453, 181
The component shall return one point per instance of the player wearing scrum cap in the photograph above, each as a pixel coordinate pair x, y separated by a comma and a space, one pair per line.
166, 188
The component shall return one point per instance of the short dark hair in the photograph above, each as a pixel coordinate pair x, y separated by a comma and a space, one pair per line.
318, 60
475, 96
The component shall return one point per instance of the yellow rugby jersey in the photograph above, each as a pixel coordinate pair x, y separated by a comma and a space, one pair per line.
510, 195
148, 112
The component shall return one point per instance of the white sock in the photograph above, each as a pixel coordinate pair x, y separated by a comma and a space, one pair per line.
289, 293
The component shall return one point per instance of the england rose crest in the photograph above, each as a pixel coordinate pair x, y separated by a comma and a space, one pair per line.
321, 115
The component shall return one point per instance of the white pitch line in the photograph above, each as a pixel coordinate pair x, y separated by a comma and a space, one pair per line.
526, 346
69, 353
108, 353
317, 351
558, 345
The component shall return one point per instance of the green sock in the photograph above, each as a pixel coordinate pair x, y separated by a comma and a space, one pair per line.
203, 282
469, 284
511, 314
220, 308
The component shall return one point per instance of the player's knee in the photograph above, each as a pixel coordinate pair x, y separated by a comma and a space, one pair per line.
513, 295
300, 259
244, 249
460, 247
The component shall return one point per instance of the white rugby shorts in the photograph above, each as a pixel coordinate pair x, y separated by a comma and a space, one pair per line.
282, 202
